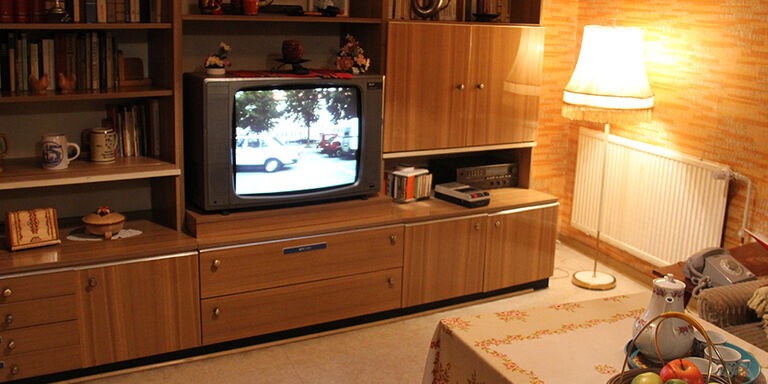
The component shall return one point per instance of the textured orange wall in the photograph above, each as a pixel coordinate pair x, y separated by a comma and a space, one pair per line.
707, 62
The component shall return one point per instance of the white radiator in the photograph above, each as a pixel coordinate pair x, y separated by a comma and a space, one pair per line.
659, 205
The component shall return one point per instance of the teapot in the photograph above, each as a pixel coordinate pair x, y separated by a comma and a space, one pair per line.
675, 336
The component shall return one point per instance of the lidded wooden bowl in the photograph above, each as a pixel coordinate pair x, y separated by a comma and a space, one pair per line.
104, 222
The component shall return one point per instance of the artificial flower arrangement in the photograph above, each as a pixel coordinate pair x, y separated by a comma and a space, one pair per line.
351, 57
219, 59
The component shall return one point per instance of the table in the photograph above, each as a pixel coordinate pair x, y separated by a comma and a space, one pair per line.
580, 342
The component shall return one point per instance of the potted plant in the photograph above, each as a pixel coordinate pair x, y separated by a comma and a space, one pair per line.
216, 62
351, 57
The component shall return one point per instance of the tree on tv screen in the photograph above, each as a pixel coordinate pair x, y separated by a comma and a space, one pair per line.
259, 110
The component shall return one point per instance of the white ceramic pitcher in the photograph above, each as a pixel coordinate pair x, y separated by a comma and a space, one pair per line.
675, 335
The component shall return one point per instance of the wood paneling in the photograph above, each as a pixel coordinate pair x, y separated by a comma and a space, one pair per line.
41, 363
520, 247
139, 309
40, 338
443, 259
41, 311
271, 310
37, 286
274, 264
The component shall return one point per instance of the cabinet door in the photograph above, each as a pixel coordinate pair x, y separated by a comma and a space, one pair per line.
139, 309
443, 259
520, 247
504, 84
426, 64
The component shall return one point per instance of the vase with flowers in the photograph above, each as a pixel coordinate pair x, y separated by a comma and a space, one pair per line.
216, 63
351, 58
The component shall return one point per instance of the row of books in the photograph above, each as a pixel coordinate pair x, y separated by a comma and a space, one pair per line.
409, 184
83, 11
91, 56
136, 126
457, 10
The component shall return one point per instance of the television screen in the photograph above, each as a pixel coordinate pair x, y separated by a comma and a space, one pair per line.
295, 139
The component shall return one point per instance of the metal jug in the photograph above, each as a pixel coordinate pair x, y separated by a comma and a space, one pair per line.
675, 336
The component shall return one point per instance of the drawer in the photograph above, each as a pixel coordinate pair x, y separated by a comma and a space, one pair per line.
40, 363
17, 289
35, 312
40, 338
271, 310
273, 264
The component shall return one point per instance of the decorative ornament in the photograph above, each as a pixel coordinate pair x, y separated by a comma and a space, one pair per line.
351, 57
216, 62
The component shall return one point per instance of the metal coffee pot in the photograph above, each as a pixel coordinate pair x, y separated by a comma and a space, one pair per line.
675, 336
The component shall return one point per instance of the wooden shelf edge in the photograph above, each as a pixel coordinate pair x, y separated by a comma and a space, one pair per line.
27, 173
83, 26
447, 151
95, 94
293, 19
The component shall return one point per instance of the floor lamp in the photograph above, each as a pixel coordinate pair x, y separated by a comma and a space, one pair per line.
608, 85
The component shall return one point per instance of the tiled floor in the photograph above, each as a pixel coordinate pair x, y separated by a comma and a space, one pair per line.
389, 353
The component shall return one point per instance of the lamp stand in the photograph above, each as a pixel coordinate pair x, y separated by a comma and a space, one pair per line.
593, 279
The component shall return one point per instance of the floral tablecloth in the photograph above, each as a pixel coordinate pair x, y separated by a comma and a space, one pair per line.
581, 342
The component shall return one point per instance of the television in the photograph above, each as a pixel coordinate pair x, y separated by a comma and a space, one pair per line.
275, 141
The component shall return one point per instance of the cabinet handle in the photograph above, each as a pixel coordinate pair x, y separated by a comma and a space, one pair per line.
391, 282
460, 87
15, 370
497, 224
216, 264
9, 319
12, 344
216, 312
481, 86
477, 226
92, 282
7, 292
393, 239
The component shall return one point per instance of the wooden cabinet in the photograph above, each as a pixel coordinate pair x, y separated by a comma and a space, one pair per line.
139, 308
443, 259
456, 257
459, 85
39, 331
520, 246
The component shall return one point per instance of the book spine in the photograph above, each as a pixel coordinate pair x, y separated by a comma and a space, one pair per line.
59, 56
5, 71
36, 11
102, 41
81, 57
48, 63
144, 11
94, 43
135, 10
12, 67
20, 11
91, 12
120, 11
101, 11
111, 12
154, 127
24, 61
6, 11
157, 11
71, 55
32, 61
109, 62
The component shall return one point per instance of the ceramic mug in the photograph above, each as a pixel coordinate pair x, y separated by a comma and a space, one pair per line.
699, 343
103, 141
731, 359
702, 364
55, 150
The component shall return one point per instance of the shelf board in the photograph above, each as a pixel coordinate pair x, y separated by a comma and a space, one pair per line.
293, 19
86, 94
28, 173
83, 26
447, 151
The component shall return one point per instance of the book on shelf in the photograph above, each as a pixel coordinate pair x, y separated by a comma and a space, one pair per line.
6, 11
407, 184
20, 11
136, 127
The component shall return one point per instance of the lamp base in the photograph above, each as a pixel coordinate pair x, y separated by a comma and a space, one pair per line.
600, 281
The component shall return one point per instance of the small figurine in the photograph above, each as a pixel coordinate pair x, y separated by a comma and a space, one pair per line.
38, 86
66, 83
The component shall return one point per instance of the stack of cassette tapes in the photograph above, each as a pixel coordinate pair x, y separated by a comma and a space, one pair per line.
408, 183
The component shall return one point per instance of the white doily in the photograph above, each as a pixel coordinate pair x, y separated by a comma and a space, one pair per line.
83, 236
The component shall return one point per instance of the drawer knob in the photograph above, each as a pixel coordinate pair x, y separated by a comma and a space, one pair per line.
15, 370
7, 292
477, 226
481, 86
92, 282
393, 239
497, 224
9, 319
391, 282
216, 264
216, 312
12, 344
460, 87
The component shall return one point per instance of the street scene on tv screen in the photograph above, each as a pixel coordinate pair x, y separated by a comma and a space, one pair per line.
294, 140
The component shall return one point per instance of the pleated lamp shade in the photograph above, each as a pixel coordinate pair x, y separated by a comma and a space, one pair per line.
609, 83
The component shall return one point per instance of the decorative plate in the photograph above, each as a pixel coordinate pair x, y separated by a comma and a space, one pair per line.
746, 376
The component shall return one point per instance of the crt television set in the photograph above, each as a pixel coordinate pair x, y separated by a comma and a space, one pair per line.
276, 141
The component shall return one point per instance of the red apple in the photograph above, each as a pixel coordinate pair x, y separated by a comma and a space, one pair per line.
682, 369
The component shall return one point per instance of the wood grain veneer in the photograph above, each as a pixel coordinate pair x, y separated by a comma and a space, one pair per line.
40, 338
266, 265
35, 312
35, 287
41, 363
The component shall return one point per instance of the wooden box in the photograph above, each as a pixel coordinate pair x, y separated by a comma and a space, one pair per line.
32, 228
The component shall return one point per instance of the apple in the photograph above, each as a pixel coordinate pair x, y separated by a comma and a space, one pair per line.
681, 369
647, 378
675, 381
